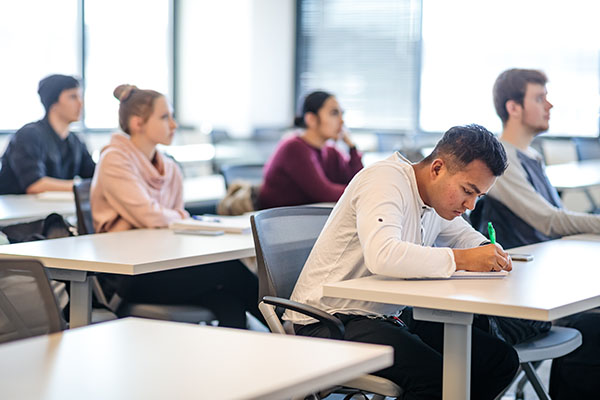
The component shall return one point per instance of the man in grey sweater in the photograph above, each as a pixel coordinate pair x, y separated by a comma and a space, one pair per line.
523, 206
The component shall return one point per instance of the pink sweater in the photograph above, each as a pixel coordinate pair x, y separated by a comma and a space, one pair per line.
128, 191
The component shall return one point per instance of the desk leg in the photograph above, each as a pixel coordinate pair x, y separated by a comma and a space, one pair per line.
457, 350
81, 295
81, 303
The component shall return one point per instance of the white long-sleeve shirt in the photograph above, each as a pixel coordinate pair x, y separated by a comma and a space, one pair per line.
380, 226
514, 190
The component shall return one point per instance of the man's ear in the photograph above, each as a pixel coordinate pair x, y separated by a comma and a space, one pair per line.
436, 168
513, 108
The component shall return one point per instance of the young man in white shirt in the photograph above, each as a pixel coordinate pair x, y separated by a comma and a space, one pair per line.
403, 220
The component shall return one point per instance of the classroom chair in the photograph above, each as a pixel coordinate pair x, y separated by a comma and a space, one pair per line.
588, 148
559, 341
251, 173
283, 239
27, 305
179, 313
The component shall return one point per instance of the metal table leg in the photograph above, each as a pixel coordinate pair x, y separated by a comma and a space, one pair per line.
457, 350
80, 313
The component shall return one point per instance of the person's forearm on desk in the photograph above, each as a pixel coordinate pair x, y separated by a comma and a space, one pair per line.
47, 184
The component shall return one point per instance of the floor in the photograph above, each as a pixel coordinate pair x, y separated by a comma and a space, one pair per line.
529, 394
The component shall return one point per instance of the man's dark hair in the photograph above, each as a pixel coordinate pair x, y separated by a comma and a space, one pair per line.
312, 103
52, 86
511, 85
461, 145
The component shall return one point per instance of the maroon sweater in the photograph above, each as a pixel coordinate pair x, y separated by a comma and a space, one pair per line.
298, 173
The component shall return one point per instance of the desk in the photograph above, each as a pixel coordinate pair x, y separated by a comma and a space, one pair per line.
561, 280
203, 188
574, 175
147, 359
16, 208
581, 175
131, 252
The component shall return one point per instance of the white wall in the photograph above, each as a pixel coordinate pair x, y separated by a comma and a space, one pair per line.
236, 64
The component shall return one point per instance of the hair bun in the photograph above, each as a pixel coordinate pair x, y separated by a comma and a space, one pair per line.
122, 92
299, 122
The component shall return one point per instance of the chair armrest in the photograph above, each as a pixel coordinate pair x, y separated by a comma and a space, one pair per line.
335, 326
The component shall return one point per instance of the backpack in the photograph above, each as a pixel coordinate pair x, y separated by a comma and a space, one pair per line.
241, 198
53, 226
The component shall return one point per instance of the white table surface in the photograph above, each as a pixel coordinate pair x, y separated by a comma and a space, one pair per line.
15, 208
561, 280
145, 359
131, 252
574, 175
202, 188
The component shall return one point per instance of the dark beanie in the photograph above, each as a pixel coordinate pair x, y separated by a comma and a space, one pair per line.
52, 86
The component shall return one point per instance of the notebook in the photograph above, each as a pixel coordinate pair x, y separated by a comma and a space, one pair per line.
479, 275
237, 224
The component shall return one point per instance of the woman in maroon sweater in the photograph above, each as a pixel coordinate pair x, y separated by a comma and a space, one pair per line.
305, 169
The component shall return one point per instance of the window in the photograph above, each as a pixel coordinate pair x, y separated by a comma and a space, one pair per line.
364, 52
126, 42
467, 43
235, 64
44, 43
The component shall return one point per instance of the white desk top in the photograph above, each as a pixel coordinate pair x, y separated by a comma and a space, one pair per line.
574, 175
561, 280
201, 188
146, 359
133, 252
16, 208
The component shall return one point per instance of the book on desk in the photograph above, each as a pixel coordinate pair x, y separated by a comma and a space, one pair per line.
227, 224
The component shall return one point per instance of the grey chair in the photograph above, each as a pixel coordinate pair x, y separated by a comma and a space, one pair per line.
559, 341
251, 173
179, 313
283, 239
27, 305
588, 148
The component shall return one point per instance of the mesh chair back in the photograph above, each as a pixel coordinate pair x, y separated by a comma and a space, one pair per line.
283, 238
587, 148
81, 191
27, 305
251, 173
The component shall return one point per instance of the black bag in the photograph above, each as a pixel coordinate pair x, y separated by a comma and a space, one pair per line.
53, 226
515, 330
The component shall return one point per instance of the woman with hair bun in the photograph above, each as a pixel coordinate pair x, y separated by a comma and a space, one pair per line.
306, 169
135, 186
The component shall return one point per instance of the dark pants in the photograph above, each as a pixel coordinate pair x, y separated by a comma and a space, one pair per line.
228, 289
418, 350
577, 375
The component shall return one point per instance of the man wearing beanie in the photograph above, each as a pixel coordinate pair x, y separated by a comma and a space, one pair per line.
45, 155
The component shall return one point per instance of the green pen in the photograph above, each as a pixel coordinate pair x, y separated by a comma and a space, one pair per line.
491, 233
